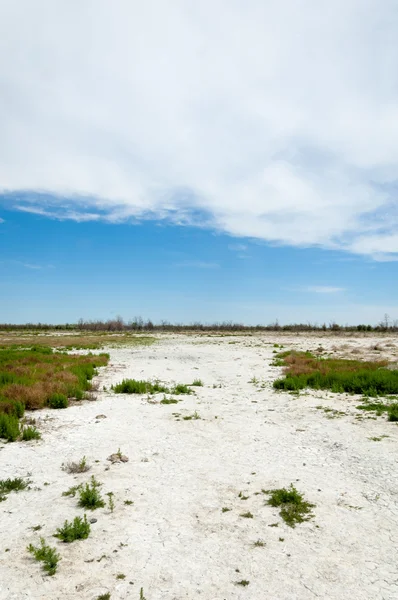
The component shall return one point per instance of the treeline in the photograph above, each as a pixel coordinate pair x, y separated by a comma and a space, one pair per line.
141, 325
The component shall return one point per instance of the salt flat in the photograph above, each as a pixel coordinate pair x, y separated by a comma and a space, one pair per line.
174, 541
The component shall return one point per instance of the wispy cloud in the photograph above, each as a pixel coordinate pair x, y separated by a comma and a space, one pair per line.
322, 289
265, 137
197, 264
26, 265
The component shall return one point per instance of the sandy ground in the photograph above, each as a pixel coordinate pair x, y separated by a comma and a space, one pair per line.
174, 541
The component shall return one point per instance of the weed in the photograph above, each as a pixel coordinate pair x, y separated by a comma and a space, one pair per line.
45, 554
76, 467
142, 597
194, 417
247, 515
72, 490
393, 412
79, 529
243, 582
90, 497
294, 509
259, 544
111, 502
58, 401
181, 388
120, 576
281, 539
169, 400
9, 427
13, 485
225, 509
37, 528
242, 496
378, 439
106, 596
30, 433
254, 380
197, 383
134, 386
128, 502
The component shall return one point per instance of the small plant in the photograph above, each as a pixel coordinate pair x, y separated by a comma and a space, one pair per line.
79, 529
128, 502
242, 496
72, 490
294, 509
9, 427
111, 502
194, 417
393, 412
181, 388
243, 582
106, 596
197, 383
120, 576
76, 467
58, 401
13, 485
30, 433
135, 386
254, 380
90, 497
142, 597
169, 400
225, 509
45, 554
259, 544
246, 515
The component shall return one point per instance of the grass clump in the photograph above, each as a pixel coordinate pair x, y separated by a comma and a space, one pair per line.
294, 509
247, 515
169, 400
135, 386
181, 388
106, 596
78, 529
73, 490
193, 417
89, 495
13, 485
303, 370
58, 401
77, 467
30, 433
243, 582
9, 427
197, 383
392, 413
45, 554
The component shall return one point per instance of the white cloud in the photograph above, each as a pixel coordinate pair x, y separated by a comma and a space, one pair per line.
276, 120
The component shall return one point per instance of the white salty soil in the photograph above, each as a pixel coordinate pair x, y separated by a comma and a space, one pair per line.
174, 541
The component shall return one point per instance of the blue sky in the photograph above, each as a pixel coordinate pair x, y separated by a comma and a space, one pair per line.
238, 160
58, 271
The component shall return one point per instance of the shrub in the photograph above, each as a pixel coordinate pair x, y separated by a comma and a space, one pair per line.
30, 433
58, 401
393, 412
9, 427
89, 495
13, 485
294, 508
47, 555
77, 467
11, 407
79, 529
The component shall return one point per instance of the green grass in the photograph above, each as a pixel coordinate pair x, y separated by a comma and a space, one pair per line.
58, 401
89, 495
193, 417
45, 554
294, 509
134, 386
302, 370
169, 400
30, 433
243, 582
9, 427
247, 515
197, 383
81, 466
13, 485
78, 529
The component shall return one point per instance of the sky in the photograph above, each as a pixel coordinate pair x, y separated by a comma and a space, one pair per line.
199, 161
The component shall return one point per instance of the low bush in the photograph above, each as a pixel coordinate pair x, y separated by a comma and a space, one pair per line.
393, 412
78, 529
294, 509
9, 427
13, 485
89, 495
58, 401
77, 467
30, 433
45, 554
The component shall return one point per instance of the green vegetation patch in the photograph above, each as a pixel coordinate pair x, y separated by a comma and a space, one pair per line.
78, 529
45, 554
303, 370
294, 509
135, 386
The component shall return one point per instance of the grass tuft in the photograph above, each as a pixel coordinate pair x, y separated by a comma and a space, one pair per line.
79, 529
45, 554
77, 467
89, 495
30, 433
197, 383
294, 509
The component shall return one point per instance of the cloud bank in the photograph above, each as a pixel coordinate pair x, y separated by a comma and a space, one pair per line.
275, 120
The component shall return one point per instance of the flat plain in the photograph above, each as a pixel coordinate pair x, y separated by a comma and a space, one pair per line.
197, 468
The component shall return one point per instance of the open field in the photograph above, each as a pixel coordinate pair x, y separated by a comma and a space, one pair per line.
195, 510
